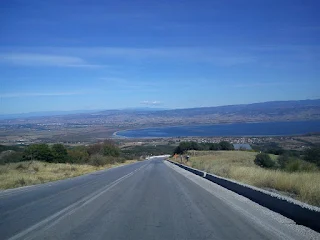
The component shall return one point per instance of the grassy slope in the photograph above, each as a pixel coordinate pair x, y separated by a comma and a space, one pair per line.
239, 165
33, 172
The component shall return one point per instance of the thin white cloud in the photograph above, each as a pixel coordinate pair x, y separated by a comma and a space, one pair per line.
38, 94
215, 56
260, 84
123, 84
193, 54
32, 59
114, 80
218, 56
151, 103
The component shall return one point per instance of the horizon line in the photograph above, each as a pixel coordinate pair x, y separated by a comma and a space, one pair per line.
80, 111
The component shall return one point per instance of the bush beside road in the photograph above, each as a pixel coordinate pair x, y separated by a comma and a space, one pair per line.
26, 173
40, 163
240, 166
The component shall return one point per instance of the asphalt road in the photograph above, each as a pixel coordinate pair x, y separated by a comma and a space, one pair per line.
147, 200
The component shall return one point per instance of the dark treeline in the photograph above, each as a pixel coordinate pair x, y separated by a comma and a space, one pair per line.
272, 148
291, 161
13, 148
96, 154
287, 160
146, 150
186, 146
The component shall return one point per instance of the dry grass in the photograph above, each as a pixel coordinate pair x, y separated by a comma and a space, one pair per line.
14, 175
239, 165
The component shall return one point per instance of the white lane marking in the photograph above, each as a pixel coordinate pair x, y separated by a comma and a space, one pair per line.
70, 209
93, 181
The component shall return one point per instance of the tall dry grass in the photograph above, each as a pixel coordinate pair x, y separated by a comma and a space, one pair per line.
14, 175
239, 165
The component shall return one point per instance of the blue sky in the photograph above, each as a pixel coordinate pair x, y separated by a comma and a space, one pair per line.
70, 55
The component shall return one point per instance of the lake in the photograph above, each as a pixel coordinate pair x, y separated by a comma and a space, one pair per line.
227, 130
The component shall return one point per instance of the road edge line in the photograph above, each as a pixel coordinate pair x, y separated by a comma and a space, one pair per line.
55, 218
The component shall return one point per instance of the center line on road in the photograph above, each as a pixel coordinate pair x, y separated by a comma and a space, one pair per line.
55, 218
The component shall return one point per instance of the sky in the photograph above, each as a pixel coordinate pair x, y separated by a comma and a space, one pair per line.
67, 55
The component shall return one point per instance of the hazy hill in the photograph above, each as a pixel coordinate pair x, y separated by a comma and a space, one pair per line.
256, 112
276, 108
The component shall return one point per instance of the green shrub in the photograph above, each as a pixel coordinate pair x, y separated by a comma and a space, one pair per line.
178, 150
284, 159
10, 156
94, 149
313, 155
308, 167
97, 160
40, 152
78, 155
185, 146
59, 153
12, 147
269, 147
264, 160
224, 145
292, 166
298, 165
214, 146
111, 150
100, 160
135, 152
291, 163
107, 148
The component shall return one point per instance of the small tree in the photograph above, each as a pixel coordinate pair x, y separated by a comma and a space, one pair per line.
110, 150
59, 153
214, 146
98, 160
10, 156
313, 155
224, 145
264, 160
94, 149
78, 155
40, 152
178, 150
106, 148
185, 146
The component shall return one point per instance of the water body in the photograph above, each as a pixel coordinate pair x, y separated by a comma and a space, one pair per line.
227, 130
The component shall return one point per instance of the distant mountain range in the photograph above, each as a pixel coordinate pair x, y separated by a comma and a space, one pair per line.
130, 110
44, 114
137, 117
62, 113
309, 108
87, 126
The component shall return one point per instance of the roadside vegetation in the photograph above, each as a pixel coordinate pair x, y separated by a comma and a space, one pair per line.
185, 146
135, 152
39, 163
290, 173
25, 173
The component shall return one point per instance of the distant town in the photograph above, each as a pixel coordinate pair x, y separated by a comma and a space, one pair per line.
85, 128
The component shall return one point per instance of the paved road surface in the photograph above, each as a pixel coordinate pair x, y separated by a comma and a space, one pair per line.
146, 200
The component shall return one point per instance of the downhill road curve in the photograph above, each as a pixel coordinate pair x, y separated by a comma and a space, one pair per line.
146, 200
